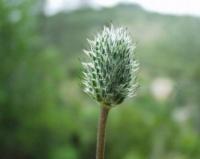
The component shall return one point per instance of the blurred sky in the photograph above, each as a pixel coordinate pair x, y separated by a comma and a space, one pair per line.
178, 7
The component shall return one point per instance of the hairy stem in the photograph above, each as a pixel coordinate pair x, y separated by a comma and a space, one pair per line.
101, 132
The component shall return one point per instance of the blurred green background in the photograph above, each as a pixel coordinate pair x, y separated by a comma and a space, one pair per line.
45, 115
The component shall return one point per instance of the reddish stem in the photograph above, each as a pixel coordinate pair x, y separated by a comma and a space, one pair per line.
101, 132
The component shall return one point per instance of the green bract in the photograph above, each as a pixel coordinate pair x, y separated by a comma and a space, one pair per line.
110, 74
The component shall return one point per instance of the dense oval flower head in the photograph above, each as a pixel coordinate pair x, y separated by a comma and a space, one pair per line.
110, 74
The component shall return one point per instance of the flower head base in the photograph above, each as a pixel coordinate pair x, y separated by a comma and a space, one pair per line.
110, 75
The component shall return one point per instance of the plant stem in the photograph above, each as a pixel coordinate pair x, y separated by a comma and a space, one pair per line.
101, 132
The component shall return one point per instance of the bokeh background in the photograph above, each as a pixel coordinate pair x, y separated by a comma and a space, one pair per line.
44, 113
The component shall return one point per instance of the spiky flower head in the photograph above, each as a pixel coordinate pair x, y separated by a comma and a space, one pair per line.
110, 74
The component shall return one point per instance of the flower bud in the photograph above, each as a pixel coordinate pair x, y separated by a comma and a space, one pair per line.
110, 73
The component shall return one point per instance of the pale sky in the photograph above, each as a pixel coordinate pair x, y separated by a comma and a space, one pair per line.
177, 7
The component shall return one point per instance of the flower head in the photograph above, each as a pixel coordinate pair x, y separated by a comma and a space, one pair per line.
110, 73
